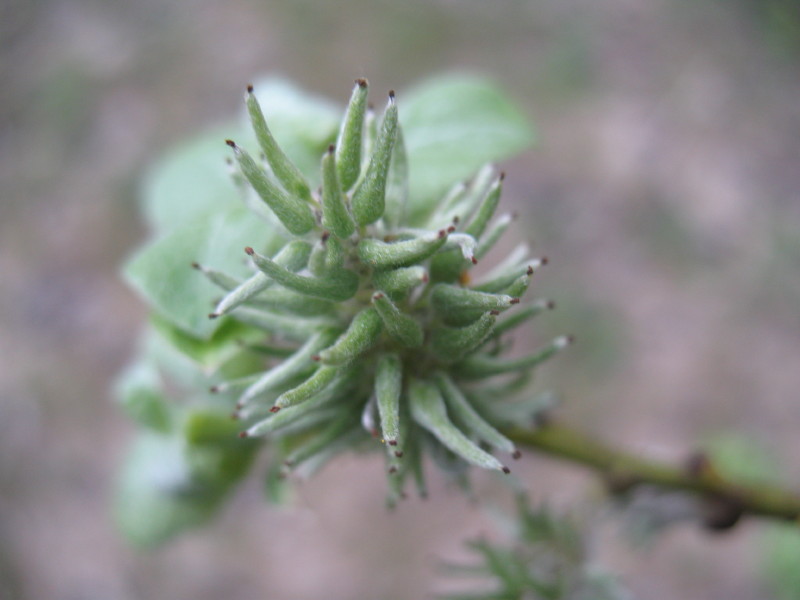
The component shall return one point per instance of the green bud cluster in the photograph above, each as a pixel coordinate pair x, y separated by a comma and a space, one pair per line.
384, 337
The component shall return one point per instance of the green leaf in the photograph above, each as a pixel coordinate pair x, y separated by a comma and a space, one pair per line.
161, 272
452, 126
212, 352
138, 391
193, 179
164, 490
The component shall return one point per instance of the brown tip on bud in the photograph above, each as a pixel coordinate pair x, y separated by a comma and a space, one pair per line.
274, 409
425, 278
196, 265
361, 82
239, 405
514, 216
516, 455
502, 175
451, 229
392, 442
391, 94
213, 315
506, 470
325, 236
231, 143
244, 435
530, 270
544, 260
550, 305
442, 233
214, 389
570, 339
474, 260
398, 453
494, 313
315, 357
698, 464
456, 219
514, 301
249, 88
249, 250
377, 296
392, 470
331, 149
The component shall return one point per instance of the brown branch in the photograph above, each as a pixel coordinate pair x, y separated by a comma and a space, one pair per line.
726, 500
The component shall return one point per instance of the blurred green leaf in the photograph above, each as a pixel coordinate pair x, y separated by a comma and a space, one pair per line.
161, 272
138, 390
780, 559
164, 490
452, 126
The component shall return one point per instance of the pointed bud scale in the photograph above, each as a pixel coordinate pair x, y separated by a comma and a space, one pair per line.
335, 429
310, 387
293, 256
369, 197
386, 255
398, 283
342, 286
218, 278
351, 133
501, 281
284, 169
428, 410
397, 184
280, 300
519, 316
297, 365
478, 223
493, 233
284, 326
388, 387
294, 213
450, 344
361, 335
459, 406
447, 298
291, 415
335, 215
520, 285
478, 367
400, 326
233, 385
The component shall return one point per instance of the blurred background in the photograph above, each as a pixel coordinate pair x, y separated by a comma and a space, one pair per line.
665, 189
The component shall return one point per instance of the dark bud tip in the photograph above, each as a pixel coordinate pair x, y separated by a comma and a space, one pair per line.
516, 455
442, 233
502, 175
231, 143
377, 296
315, 358
274, 409
391, 94
456, 219
213, 315
392, 470
550, 305
425, 278
698, 464
196, 265
325, 236
331, 149
248, 250
361, 82
249, 88
393, 442
243, 435
474, 260
530, 270
451, 229
398, 453
494, 313
570, 339
213, 389
506, 470
515, 301
544, 260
